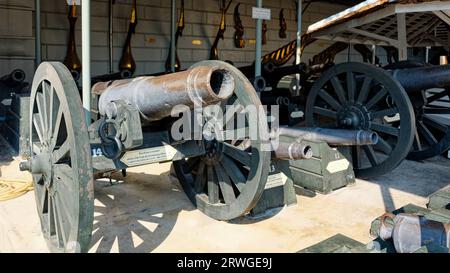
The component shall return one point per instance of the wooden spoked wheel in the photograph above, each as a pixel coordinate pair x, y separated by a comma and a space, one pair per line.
228, 180
432, 137
362, 96
61, 161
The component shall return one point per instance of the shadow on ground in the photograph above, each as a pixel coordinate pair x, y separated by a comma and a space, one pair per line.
418, 178
135, 215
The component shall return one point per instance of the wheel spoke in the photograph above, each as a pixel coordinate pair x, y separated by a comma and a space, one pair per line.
225, 185
64, 215
436, 110
437, 96
234, 173
63, 150
371, 155
426, 133
383, 146
38, 127
59, 117
381, 94
356, 157
329, 99
384, 128
200, 180
325, 112
42, 196
436, 125
417, 144
383, 113
42, 108
239, 155
338, 89
60, 236
51, 217
351, 86
213, 187
364, 92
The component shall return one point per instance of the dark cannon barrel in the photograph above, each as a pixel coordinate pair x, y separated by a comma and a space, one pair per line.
124, 74
13, 79
334, 137
421, 78
156, 97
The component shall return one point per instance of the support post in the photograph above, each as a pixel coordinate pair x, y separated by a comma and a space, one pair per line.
111, 36
37, 41
172, 35
258, 42
86, 58
298, 53
402, 42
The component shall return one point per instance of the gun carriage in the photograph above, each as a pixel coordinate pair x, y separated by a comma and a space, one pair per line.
404, 101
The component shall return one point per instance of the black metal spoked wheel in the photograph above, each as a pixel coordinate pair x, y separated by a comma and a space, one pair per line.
433, 133
61, 160
229, 179
362, 96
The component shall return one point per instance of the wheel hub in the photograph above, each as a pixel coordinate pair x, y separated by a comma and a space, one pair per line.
353, 117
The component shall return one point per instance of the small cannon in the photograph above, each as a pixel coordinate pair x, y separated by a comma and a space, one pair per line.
222, 168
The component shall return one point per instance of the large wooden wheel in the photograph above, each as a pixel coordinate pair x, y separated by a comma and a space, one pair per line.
362, 96
432, 137
229, 179
61, 161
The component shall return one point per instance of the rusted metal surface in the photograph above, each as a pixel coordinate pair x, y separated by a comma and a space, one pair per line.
333, 137
156, 96
291, 150
410, 232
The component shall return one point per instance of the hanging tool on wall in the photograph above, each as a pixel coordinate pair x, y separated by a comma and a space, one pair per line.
71, 60
178, 34
127, 62
214, 54
239, 41
283, 26
264, 32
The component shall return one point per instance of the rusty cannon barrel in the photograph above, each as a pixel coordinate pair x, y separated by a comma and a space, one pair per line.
291, 150
155, 97
421, 78
13, 79
334, 137
410, 232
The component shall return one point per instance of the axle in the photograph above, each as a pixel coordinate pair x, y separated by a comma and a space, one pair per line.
155, 97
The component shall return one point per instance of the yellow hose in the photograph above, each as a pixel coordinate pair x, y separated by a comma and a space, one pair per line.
13, 188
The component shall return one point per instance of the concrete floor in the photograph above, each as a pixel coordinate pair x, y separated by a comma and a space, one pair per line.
150, 213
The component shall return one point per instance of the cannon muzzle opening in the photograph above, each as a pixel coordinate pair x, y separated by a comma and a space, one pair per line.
222, 83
